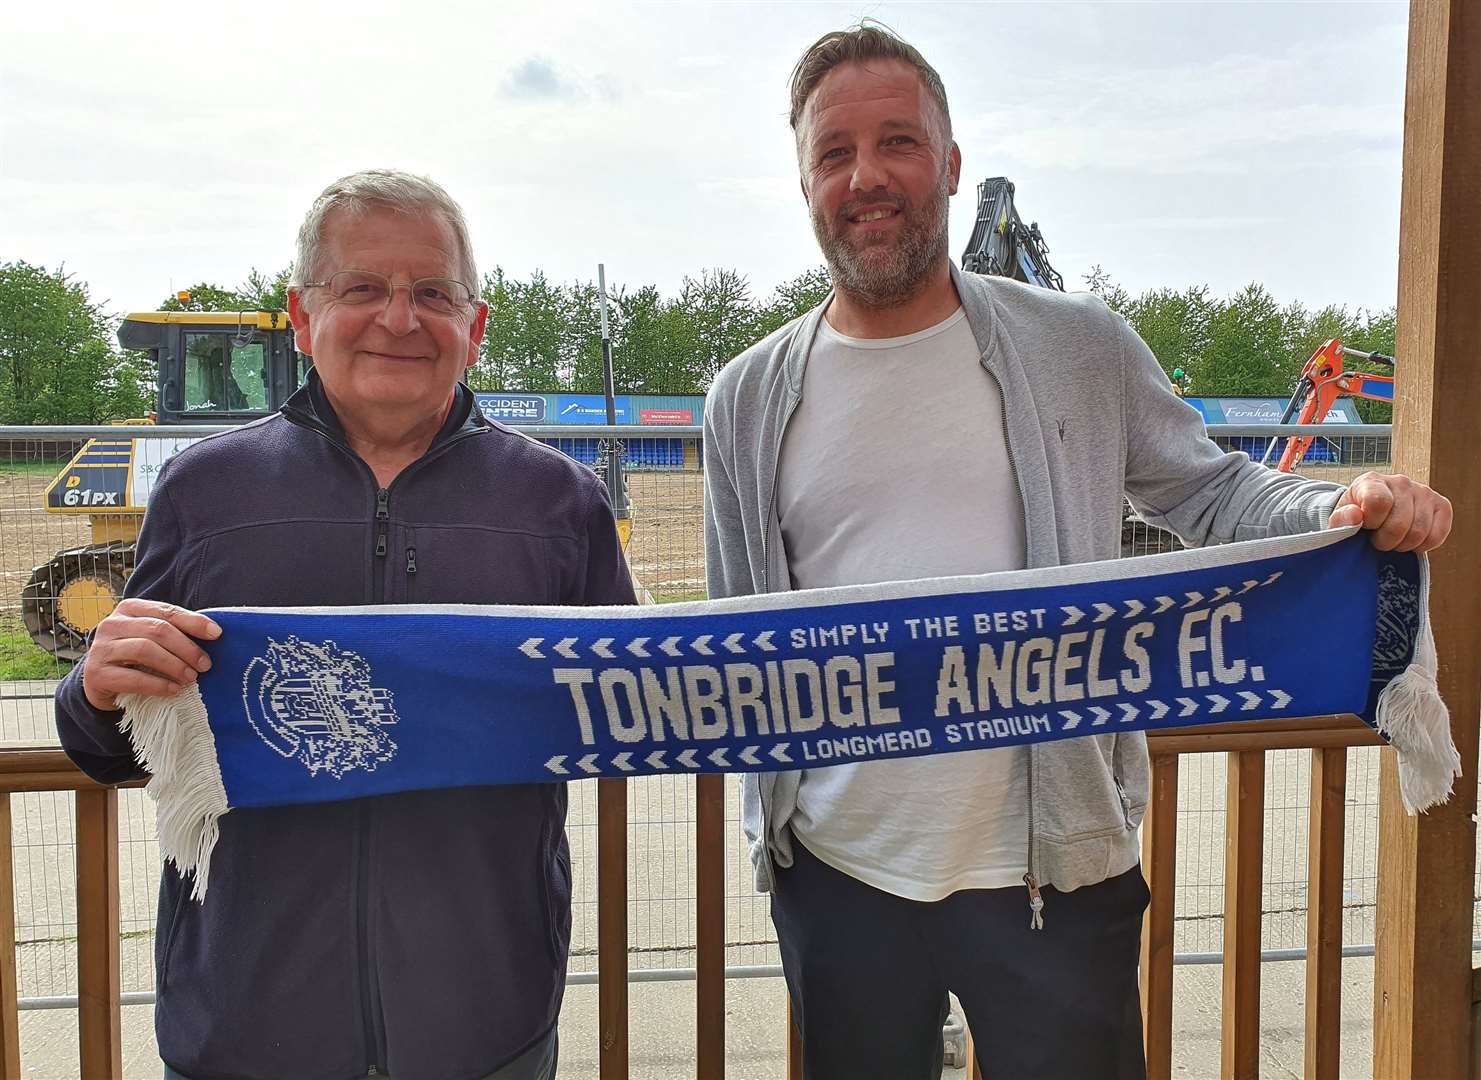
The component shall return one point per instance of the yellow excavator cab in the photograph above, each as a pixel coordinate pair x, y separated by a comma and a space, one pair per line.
214, 368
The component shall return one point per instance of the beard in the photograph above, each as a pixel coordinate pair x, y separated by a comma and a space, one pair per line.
885, 271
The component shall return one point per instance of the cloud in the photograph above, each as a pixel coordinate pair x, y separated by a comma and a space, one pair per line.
537, 79
1156, 139
1260, 112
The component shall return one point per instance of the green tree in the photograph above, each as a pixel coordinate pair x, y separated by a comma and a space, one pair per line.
203, 296
267, 292
656, 345
1247, 351
260, 292
527, 340
719, 306
130, 392
583, 337
1176, 326
546, 337
793, 298
1372, 332
1099, 282
1247, 344
495, 367
58, 362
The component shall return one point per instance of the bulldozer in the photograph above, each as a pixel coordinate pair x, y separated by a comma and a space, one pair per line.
213, 368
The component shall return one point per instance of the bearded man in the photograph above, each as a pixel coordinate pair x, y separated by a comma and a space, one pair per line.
923, 422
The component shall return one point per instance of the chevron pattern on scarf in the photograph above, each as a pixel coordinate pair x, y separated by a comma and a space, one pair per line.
305, 705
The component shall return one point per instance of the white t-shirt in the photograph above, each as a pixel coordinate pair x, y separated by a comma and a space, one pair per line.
894, 467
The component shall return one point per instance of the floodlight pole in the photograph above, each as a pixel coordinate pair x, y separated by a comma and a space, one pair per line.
616, 487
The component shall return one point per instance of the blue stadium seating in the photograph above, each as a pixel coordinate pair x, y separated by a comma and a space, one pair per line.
1322, 451
641, 453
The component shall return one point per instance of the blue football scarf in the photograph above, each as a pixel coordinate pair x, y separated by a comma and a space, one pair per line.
306, 705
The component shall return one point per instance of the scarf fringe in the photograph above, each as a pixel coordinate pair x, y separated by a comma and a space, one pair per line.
172, 739
1412, 716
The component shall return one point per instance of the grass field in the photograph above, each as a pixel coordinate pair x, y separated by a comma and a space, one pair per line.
28, 537
677, 597
21, 659
47, 469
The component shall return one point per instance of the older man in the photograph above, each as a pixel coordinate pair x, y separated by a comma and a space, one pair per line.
420, 935
923, 422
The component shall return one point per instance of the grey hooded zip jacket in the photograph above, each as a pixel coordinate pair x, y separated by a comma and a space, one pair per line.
1089, 416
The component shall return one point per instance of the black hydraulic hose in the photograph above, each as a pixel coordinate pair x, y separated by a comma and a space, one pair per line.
1298, 398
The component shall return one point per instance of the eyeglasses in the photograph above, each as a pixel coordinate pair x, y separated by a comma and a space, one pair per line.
432, 295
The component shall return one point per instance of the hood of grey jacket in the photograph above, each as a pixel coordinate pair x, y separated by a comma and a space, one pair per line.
1090, 419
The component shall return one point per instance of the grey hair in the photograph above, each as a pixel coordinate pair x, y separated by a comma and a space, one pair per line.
370, 188
869, 40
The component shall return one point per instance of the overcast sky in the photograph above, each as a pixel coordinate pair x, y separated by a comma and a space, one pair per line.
147, 147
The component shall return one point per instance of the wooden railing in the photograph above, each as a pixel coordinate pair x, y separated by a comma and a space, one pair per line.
99, 986
1246, 744
99, 1017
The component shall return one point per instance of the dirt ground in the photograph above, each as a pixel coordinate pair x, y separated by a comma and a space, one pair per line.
667, 548
28, 535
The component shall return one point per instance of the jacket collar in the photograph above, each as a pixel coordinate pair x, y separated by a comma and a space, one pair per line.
308, 406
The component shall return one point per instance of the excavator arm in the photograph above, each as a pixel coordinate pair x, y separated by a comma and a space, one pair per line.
1002, 245
1323, 380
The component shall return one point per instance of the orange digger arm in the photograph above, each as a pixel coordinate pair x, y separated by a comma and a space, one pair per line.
1323, 380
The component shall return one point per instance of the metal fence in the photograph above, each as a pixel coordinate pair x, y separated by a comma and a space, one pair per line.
1202, 778
664, 483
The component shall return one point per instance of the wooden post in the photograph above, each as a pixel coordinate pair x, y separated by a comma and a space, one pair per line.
1324, 914
1159, 864
1244, 849
709, 925
794, 1045
612, 1054
99, 975
10, 1028
1422, 972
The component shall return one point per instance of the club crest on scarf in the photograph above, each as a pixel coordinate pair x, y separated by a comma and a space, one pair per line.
314, 702
1302, 626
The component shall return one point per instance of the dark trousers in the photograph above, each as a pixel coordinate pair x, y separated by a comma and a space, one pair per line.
869, 973
536, 1063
